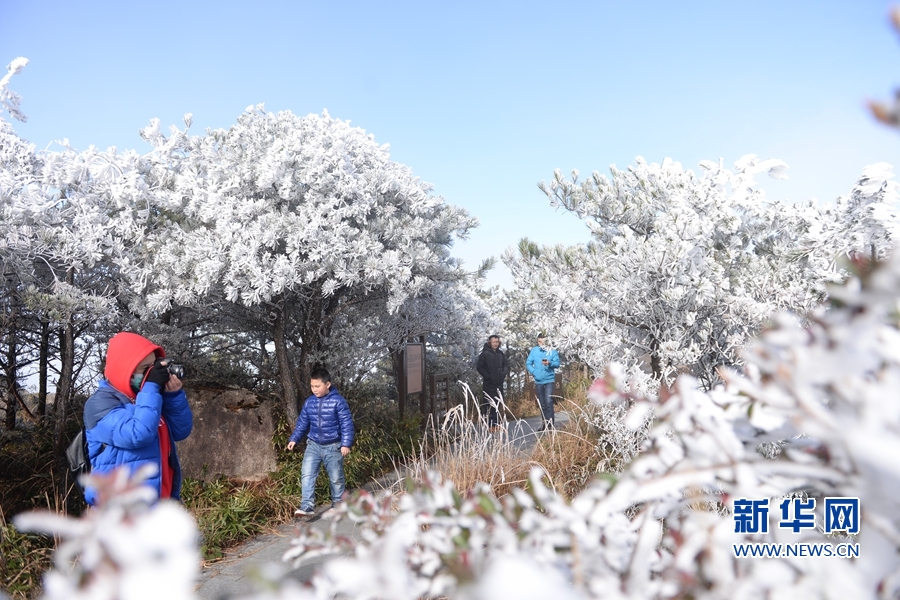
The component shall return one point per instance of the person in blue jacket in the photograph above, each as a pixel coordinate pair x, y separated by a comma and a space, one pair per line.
326, 418
136, 415
542, 363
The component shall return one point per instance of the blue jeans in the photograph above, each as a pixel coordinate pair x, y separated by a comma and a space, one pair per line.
315, 455
543, 391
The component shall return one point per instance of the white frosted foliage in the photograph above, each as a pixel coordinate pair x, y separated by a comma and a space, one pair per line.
684, 268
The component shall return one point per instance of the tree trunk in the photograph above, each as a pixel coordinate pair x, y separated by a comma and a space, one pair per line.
303, 373
64, 386
396, 355
43, 362
285, 376
318, 316
311, 340
65, 383
317, 323
10, 375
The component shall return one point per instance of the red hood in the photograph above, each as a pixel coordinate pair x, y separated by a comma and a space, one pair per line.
126, 351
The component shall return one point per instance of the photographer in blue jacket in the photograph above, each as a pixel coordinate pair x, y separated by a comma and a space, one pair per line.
137, 414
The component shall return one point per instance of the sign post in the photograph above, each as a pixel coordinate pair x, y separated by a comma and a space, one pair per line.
411, 379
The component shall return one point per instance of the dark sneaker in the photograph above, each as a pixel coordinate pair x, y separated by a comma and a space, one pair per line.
302, 512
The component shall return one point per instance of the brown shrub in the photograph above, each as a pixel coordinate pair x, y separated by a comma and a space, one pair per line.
465, 451
571, 454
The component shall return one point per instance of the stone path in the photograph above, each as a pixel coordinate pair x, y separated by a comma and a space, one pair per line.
237, 574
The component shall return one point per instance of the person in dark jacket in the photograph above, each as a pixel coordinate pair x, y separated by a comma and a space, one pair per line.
326, 418
493, 368
136, 415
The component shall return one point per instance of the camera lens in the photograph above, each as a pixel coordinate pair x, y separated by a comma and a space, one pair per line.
176, 369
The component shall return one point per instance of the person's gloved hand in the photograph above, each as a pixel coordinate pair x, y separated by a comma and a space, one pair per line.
159, 373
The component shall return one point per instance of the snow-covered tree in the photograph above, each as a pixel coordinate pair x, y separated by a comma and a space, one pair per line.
277, 233
864, 223
18, 181
339, 260
56, 280
684, 268
451, 313
299, 219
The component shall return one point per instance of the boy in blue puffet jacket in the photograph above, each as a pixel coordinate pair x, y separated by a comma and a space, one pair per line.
326, 418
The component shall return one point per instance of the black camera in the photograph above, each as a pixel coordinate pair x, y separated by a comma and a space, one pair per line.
176, 369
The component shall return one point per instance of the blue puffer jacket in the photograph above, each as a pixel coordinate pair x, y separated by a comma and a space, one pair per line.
121, 433
326, 420
542, 373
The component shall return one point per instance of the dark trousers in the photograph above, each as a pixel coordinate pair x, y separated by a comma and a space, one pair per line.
543, 391
489, 407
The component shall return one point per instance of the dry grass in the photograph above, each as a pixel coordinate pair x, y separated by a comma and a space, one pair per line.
23, 560
570, 456
465, 451
594, 440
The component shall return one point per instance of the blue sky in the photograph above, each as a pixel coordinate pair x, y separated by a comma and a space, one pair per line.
482, 99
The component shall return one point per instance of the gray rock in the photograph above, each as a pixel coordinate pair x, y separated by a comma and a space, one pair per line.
232, 436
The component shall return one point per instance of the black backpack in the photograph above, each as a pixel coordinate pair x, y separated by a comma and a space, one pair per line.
77, 455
